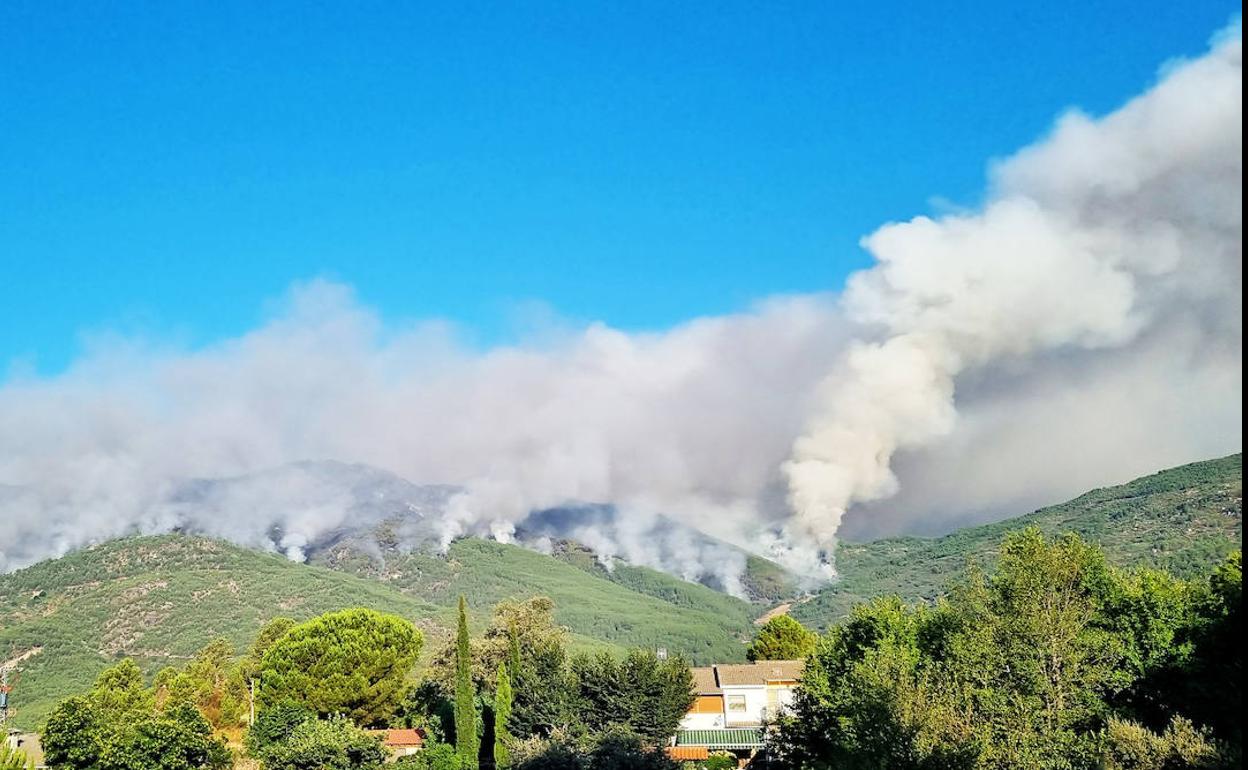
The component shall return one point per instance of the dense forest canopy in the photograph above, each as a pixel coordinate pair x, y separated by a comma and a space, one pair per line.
1054, 660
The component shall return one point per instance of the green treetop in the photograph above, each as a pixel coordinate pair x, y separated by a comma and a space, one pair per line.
12, 759
354, 662
782, 638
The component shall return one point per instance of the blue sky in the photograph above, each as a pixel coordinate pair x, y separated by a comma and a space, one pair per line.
166, 168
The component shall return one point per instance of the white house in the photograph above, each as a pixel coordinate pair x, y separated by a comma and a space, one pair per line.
733, 702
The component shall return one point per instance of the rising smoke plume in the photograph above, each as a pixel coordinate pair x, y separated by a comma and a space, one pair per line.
1080, 328
1088, 241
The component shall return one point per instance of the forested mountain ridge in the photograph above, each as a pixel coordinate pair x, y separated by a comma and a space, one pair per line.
1183, 519
159, 599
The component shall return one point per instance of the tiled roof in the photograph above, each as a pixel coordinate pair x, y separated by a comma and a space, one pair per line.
704, 681
687, 753
759, 673
401, 737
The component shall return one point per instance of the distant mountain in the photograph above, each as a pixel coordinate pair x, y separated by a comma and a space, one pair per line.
1185, 519
310, 506
325, 511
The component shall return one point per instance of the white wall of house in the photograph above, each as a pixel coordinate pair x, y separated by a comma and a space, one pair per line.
744, 704
763, 692
693, 721
786, 697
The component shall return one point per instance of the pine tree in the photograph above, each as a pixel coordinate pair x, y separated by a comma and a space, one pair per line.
502, 714
782, 638
465, 707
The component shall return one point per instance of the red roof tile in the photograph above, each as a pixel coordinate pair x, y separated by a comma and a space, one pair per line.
401, 737
688, 752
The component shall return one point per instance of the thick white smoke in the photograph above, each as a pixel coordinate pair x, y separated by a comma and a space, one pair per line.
1089, 239
1088, 316
691, 422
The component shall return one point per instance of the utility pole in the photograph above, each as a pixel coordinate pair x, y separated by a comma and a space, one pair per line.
4, 695
251, 703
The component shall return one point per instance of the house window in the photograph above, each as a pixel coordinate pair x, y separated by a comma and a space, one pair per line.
736, 703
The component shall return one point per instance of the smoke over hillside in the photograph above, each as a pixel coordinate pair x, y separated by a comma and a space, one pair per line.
1082, 327
1090, 240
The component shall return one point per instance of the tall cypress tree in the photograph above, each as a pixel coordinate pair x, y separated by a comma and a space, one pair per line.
465, 707
502, 714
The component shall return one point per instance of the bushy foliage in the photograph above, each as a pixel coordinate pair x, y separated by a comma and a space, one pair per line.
274, 724
782, 638
615, 749
426, 706
212, 682
640, 693
621, 749
552, 754
180, 739
325, 744
1213, 679
720, 760
251, 665
1132, 746
74, 735
120, 693
1034, 666
13, 759
354, 662
434, 756
118, 727
555, 703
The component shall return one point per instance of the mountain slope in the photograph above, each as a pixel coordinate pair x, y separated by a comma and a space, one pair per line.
1183, 519
656, 610
159, 599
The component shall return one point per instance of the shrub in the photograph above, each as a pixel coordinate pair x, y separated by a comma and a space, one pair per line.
325, 744
435, 756
12, 759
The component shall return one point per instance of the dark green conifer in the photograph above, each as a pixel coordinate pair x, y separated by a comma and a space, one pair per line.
466, 744
502, 714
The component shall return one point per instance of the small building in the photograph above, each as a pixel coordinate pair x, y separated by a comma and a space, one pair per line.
401, 742
28, 744
707, 712
734, 702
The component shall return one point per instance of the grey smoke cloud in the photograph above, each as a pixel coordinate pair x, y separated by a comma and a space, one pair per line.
1081, 328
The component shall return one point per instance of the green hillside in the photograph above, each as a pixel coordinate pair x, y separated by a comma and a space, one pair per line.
764, 581
159, 599
636, 607
1185, 519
